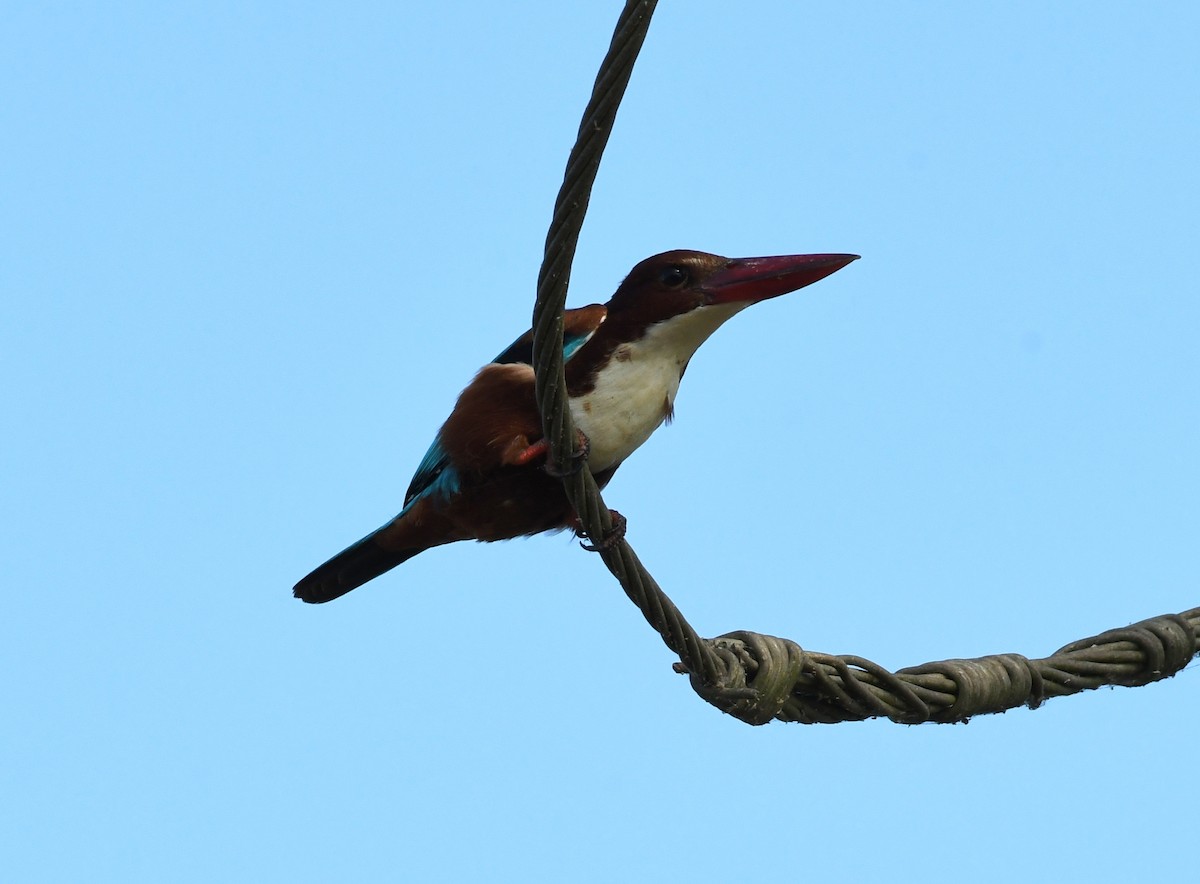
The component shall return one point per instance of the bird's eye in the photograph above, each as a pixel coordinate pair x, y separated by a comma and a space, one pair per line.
673, 277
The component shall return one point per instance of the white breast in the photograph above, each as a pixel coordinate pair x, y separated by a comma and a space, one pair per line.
636, 390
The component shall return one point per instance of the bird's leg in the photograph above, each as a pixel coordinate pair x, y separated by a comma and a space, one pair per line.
578, 457
541, 448
611, 538
529, 454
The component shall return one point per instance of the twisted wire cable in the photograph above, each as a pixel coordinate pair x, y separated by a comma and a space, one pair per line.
758, 678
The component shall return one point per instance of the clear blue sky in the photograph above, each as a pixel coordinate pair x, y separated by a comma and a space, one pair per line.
250, 254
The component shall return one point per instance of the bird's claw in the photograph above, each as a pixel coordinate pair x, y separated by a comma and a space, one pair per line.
611, 537
577, 459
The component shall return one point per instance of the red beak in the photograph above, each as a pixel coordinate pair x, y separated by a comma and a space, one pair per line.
756, 279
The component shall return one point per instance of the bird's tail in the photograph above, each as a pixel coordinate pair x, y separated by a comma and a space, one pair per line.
351, 568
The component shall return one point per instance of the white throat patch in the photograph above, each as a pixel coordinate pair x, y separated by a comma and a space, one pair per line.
635, 392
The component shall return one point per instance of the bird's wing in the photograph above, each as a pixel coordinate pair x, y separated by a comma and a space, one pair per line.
578, 327
435, 474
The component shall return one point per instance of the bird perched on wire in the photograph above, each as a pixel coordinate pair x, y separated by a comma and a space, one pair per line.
485, 477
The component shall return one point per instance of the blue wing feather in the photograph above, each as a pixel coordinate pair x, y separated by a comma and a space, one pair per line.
434, 475
521, 350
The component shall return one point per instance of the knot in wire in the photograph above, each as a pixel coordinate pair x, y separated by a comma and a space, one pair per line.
759, 675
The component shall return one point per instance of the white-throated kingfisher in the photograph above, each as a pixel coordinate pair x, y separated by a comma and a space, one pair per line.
484, 477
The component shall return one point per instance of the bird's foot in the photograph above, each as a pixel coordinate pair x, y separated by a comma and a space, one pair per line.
541, 449
577, 460
611, 538
529, 454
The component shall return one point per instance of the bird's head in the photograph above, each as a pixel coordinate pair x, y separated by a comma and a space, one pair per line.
675, 283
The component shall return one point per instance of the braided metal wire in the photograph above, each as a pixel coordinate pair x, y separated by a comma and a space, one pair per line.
779, 680
569, 210
758, 678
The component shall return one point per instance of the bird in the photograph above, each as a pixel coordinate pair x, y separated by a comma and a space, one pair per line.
485, 476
